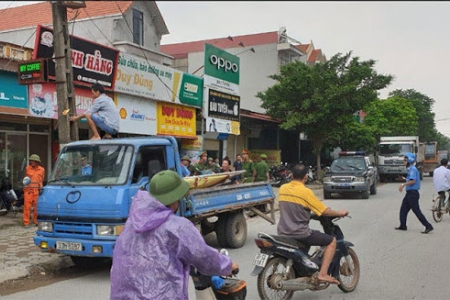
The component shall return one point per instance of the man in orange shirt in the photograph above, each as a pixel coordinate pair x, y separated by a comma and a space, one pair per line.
31, 192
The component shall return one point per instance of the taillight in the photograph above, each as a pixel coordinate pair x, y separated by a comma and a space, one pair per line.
261, 243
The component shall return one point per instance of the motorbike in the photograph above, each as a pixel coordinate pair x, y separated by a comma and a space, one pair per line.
284, 266
218, 287
8, 197
279, 174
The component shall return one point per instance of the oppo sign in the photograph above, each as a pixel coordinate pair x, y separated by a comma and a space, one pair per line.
221, 63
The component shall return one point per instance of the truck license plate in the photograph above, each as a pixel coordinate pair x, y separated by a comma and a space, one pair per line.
344, 184
260, 259
69, 246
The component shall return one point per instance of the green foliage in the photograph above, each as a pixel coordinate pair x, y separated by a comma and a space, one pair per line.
391, 117
320, 100
423, 105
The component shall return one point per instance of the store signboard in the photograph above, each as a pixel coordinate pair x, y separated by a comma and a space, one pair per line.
143, 78
137, 115
11, 93
175, 120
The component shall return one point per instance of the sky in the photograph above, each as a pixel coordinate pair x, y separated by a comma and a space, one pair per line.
407, 39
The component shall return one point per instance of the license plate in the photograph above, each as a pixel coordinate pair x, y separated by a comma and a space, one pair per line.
69, 246
260, 259
344, 184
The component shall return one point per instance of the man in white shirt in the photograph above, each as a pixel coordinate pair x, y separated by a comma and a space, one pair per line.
441, 178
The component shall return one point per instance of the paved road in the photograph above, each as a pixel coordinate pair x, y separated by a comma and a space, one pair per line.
395, 265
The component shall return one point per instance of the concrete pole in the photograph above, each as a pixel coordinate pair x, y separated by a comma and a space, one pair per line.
67, 131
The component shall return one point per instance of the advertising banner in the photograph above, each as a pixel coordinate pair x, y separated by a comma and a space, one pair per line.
221, 92
140, 77
175, 120
91, 62
11, 93
43, 101
273, 156
137, 115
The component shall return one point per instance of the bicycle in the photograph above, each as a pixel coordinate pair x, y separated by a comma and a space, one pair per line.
440, 207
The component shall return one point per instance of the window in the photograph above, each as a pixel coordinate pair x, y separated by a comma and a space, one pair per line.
138, 27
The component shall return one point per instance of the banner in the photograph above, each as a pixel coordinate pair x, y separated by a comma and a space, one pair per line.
137, 115
140, 77
11, 93
91, 62
175, 120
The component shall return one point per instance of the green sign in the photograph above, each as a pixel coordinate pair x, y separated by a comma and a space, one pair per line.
221, 64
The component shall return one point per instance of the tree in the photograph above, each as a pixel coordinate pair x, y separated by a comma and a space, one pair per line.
426, 127
320, 100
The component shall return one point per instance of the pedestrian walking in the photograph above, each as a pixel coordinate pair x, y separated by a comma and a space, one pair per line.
411, 199
36, 173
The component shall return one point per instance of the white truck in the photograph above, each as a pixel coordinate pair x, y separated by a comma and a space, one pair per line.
391, 152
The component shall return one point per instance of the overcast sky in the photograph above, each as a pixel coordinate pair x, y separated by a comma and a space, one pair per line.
409, 40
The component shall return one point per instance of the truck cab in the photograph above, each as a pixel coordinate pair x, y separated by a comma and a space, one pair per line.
352, 172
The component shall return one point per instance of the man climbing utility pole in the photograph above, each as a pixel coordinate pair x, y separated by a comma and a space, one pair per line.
67, 131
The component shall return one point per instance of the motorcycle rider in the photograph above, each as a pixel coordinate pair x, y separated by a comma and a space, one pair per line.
296, 203
441, 178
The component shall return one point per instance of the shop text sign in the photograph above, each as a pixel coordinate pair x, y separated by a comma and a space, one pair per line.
140, 77
137, 115
175, 120
91, 62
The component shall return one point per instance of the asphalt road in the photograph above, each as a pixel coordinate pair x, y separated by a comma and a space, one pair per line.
394, 264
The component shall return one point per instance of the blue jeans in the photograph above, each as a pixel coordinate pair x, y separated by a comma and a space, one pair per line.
102, 125
411, 202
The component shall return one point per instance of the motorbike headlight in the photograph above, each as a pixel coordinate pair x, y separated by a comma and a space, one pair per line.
327, 179
360, 179
45, 226
109, 230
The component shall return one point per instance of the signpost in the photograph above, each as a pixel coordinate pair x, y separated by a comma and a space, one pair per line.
32, 71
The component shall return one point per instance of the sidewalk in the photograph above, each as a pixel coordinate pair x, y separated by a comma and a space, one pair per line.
18, 254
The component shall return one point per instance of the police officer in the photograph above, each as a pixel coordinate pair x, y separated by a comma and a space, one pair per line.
262, 170
248, 165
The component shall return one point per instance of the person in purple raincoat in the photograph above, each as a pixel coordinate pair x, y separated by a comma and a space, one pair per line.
153, 254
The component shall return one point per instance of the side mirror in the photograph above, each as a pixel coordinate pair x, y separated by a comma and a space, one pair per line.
26, 181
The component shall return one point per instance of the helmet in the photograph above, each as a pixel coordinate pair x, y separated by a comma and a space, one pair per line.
410, 157
35, 157
168, 187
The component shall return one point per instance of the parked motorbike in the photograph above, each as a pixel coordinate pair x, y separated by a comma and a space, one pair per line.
218, 287
279, 174
284, 266
8, 197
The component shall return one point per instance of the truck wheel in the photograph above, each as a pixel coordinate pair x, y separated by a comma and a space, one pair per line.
365, 195
220, 230
89, 262
236, 230
326, 195
373, 187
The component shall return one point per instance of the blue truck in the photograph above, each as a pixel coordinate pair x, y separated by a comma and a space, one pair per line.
81, 214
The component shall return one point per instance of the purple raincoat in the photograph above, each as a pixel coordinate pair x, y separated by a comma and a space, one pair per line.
153, 254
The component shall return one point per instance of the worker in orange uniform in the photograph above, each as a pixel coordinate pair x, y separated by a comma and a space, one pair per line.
31, 192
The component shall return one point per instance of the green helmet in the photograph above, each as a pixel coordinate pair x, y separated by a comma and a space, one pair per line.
168, 187
35, 157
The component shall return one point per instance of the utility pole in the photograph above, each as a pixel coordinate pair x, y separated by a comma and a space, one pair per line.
67, 131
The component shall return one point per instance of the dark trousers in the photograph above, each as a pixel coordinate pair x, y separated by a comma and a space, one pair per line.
411, 202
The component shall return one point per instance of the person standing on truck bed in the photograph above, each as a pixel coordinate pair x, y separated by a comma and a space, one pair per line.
248, 166
153, 255
31, 192
103, 114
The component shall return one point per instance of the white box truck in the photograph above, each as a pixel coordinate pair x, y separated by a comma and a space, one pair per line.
391, 152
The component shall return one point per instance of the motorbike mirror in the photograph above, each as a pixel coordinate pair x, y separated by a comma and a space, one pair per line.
26, 181
224, 252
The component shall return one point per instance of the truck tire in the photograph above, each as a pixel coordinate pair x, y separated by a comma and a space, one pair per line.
220, 226
373, 187
326, 195
236, 230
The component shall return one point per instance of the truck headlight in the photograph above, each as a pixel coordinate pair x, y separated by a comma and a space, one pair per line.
45, 226
327, 179
109, 230
360, 179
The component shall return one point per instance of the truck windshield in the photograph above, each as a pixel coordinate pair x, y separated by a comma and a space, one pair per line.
345, 164
92, 165
395, 149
